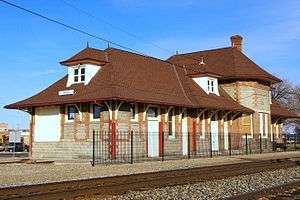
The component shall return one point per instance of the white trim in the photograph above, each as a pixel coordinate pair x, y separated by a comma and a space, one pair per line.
109, 109
266, 124
167, 113
79, 67
172, 136
263, 123
202, 135
145, 112
277, 130
263, 111
251, 122
117, 109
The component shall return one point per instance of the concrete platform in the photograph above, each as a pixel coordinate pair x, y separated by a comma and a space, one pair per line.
24, 174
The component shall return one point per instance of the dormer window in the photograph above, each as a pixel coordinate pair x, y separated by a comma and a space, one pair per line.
82, 73
79, 74
210, 85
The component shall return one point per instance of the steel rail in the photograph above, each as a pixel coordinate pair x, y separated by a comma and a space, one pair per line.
143, 181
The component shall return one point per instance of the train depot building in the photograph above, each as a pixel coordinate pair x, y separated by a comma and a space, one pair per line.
204, 102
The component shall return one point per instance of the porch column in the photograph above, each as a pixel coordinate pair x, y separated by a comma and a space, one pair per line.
31, 131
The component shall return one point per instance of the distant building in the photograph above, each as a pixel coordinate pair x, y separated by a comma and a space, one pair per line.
4, 132
3, 127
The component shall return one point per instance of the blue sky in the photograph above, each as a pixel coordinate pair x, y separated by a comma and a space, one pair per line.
31, 47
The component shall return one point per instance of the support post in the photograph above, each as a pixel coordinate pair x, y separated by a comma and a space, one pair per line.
131, 147
93, 161
246, 144
113, 141
163, 146
295, 142
229, 138
273, 142
285, 143
260, 144
189, 145
211, 153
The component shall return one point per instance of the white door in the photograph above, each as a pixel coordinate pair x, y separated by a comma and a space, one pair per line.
184, 132
47, 124
225, 135
153, 133
214, 135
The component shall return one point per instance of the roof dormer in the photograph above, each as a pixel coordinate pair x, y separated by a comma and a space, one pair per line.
83, 66
82, 73
208, 84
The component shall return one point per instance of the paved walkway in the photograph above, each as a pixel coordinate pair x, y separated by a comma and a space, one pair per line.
23, 174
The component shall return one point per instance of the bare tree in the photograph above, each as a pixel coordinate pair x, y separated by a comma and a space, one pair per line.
288, 96
285, 94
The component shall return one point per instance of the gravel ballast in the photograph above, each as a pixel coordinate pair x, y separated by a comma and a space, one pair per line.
218, 189
26, 174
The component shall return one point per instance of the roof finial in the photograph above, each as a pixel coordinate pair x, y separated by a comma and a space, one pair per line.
202, 61
177, 52
108, 44
87, 44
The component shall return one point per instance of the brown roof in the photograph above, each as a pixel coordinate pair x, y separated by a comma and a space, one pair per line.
279, 111
87, 55
228, 63
132, 77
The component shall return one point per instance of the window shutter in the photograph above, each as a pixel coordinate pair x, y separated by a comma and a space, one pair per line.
246, 121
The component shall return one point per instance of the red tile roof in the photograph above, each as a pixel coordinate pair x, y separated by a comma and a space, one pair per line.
228, 63
278, 110
132, 77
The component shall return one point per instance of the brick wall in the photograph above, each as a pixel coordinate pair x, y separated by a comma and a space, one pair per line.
252, 95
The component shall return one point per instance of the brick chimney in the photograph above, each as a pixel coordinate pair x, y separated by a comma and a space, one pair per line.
236, 42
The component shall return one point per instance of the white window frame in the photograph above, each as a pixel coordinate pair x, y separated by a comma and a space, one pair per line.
211, 85
135, 119
263, 124
79, 67
67, 114
172, 136
277, 130
201, 125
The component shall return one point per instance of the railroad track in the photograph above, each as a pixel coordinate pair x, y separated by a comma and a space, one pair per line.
121, 184
282, 192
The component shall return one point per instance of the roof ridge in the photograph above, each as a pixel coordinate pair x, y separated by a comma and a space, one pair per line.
215, 49
234, 60
181, 86
144, 56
